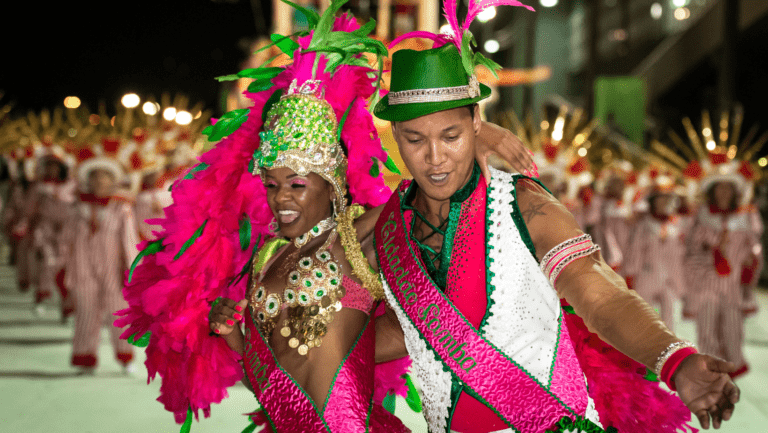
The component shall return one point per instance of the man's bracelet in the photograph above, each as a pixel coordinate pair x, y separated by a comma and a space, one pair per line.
667, 353
563, 254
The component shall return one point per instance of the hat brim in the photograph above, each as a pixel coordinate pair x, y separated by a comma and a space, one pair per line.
100, 163
735, 179
404, 112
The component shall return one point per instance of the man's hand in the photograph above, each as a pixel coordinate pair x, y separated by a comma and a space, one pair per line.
703, 384
496, 140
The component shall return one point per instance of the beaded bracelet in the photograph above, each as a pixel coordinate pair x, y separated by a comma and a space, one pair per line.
668, 352
564, 254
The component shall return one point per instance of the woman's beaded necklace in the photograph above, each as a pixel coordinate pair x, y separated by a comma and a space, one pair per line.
312, 296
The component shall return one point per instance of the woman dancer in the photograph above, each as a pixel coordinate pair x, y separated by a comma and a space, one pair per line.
309, 337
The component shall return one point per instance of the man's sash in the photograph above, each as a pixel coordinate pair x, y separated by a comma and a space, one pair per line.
486, 372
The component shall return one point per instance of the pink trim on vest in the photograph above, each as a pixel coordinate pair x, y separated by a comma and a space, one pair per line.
568, 382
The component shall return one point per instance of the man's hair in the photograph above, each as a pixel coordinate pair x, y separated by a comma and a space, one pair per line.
472, 110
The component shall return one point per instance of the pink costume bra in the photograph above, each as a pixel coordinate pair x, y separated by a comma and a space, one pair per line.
356, 296
349, 406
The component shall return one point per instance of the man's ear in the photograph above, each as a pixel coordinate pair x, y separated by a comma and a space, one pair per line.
477, 122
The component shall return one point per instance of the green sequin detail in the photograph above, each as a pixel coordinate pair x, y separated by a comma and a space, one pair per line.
428, 255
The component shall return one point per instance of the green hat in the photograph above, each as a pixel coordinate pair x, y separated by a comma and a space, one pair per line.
425, 82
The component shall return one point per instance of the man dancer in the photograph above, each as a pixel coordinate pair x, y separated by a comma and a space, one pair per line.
477, 312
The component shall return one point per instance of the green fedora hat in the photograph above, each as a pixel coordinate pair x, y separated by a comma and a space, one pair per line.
425, 82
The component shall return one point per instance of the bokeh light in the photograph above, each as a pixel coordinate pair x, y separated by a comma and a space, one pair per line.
71, 102
130, 100
491, 46
183, 118
150, 108
487, 15
169, 113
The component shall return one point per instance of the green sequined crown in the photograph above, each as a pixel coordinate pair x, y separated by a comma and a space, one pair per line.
301, 134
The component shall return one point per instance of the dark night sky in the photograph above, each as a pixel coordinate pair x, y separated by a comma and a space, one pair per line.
102, 50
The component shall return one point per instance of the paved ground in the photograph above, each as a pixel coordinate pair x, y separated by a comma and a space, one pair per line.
41, 393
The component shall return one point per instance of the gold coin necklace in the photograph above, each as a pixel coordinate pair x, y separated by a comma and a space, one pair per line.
312, 296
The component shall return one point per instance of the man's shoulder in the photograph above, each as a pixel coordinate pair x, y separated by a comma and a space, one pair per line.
499, 176
518, 181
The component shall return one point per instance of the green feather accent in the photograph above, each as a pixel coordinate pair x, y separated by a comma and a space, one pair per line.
268, 105
345, 48
251, 428
199, 167
492, 66
389, 403
245, 232
413, 399
266, 47
568, 310
325, 23
365, 29
285, 43
246, 266
260, 86
377, 92
267, 73
312, 16
344, 120
230, 77
650, 376
227, 124
467, 58
375, 169
191, 240
151, 248
142, 341
391, 166
187, 426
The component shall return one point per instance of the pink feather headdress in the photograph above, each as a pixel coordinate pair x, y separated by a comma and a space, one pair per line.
460, 34
220, 215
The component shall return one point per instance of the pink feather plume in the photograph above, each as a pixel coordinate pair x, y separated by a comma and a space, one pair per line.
477, 6
624, 399
450, 12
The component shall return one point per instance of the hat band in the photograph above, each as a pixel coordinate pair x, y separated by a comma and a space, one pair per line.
438, 94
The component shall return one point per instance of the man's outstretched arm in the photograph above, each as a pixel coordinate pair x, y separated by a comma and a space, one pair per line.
618, 315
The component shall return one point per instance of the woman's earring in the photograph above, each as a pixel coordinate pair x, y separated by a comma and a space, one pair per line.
273, 227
